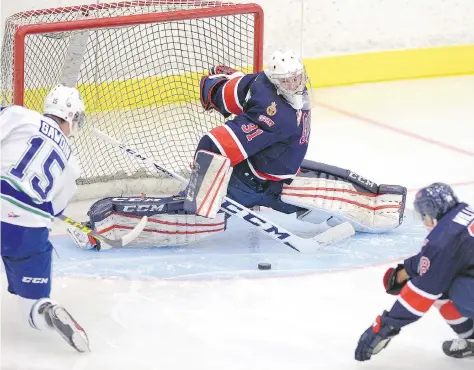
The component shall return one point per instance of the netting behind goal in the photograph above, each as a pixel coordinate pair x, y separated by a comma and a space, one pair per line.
138, 66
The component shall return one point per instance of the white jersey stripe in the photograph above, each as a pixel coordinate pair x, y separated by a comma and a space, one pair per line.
424, 294
409, 307
237, 141
216, 142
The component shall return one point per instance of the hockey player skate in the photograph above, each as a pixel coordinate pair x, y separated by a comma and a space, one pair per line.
58, 319
459, 348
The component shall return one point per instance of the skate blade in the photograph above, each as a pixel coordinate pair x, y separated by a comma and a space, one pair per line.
79, 338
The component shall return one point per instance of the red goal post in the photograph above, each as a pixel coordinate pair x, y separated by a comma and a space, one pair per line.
138, 70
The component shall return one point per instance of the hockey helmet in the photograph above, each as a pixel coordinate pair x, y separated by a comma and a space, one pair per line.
286, 71
435, 201
66, 103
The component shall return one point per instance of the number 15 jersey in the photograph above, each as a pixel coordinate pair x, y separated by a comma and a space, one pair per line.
38, 169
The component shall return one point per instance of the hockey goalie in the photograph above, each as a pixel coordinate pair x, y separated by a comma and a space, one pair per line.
257, 159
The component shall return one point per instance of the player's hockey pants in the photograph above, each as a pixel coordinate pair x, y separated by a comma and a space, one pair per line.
26, 254
249, 191
462, 295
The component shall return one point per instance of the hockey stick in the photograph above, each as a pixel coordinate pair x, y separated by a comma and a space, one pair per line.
231, 207
123, 241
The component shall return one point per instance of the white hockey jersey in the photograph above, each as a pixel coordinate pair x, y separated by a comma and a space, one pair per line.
38, 169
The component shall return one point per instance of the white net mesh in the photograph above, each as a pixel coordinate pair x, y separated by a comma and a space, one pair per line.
139, 81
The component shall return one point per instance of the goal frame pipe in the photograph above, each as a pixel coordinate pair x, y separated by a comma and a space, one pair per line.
129, 20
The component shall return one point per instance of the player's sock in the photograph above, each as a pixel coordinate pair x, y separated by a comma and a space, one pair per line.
459, 348
46, 313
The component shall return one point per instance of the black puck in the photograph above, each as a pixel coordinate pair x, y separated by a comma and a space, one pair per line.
264, 266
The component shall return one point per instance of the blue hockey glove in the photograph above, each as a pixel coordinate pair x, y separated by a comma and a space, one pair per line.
375, 339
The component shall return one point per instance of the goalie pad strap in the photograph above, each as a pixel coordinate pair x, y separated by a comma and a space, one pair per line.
208, 184
318, 169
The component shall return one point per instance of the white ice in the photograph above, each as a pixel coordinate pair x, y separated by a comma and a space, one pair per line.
210, 308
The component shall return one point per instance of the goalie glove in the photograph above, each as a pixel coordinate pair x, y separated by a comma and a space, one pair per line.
218, 75
225, 71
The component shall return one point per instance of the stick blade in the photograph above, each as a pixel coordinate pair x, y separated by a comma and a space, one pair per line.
335, 234
132, 235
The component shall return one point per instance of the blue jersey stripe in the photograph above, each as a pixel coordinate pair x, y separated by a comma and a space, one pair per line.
24, 198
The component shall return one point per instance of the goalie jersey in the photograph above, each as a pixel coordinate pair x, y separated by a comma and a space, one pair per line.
268, 136
448, 253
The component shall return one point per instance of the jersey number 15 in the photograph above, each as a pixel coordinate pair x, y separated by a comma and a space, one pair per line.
46, 177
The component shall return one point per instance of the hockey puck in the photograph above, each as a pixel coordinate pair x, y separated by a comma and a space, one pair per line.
264, 266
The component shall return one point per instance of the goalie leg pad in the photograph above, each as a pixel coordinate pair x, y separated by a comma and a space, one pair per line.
330, 197
208, 184
168, 223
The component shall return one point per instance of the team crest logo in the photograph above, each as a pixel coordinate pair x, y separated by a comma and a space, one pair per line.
423, 265
272, 109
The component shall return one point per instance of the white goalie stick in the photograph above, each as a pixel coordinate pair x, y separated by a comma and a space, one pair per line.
115, 243
231, 207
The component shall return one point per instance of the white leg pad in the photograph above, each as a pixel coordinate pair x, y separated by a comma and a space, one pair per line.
208, 184
163, 229
367, 212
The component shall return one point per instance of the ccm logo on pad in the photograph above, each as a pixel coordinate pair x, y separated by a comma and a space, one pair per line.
27, 279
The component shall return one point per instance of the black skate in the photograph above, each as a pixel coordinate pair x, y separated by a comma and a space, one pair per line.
459, 348
61, 321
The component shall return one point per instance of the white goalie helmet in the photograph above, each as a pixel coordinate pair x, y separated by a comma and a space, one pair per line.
286, 71
66, 103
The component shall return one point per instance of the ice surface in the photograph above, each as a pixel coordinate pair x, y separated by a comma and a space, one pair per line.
236, 253
209, 307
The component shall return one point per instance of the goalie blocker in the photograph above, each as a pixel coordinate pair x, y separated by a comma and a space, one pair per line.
168, 223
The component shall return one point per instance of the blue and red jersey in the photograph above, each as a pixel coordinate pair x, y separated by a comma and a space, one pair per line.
266, 130
448, 253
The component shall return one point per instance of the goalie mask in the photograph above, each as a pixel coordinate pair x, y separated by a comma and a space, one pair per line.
66, 103
286, 71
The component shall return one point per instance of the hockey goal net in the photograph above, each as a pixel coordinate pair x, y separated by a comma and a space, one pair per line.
138, 66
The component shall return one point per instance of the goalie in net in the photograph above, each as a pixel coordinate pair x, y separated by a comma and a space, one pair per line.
257, 159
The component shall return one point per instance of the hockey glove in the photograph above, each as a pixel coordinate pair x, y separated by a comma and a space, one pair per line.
375, 339
222, 70
80, 238
208, 85
390, 280
227, 72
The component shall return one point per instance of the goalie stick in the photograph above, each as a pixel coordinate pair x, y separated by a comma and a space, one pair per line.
115, 243
231, 207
